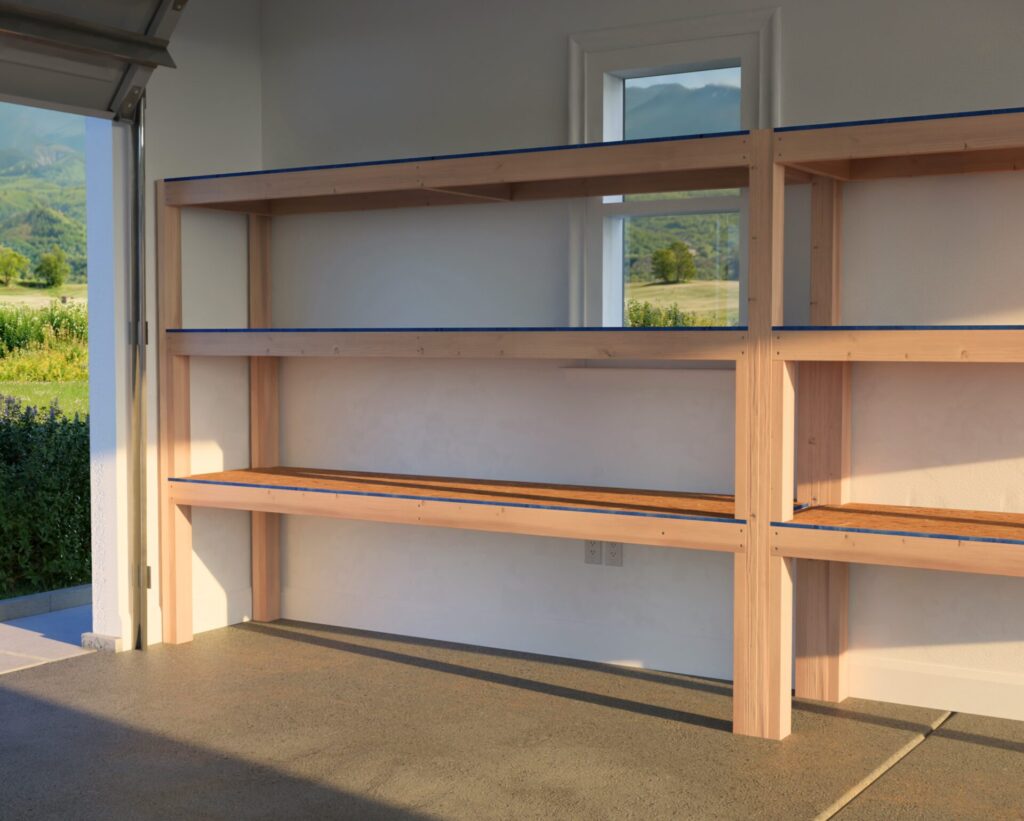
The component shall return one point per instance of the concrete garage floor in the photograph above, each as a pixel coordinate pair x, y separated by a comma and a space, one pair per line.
291, 720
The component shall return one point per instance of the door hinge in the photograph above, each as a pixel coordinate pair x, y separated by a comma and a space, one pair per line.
149, 577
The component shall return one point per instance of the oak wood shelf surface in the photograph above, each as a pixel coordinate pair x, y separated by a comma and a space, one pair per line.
684, 343
967, 541
669, 519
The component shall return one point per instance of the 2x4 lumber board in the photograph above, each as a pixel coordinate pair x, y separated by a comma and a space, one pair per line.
975, 344
174, 431
690, 521
949, 136
264, 429
823, 459
681, 345
763, 581
563, 164
949, 540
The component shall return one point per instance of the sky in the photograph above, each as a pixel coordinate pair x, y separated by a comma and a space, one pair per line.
691, 79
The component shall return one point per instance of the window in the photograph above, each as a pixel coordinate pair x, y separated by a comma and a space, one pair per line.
671, 258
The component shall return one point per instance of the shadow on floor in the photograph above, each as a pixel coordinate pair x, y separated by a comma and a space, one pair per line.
93, 768
281, 630
531, 685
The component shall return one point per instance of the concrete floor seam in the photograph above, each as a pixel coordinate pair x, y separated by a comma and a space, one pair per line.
875, 775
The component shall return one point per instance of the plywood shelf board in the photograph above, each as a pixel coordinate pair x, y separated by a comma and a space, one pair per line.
690, 344
935, 523
604, 329
719, 161
508, 152
656, 518
660, 504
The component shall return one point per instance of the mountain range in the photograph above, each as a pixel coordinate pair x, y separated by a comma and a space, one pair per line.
42, 183
671, 109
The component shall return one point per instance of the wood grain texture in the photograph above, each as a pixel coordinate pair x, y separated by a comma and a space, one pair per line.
763, 592
917, 537
993, 134
981, 345
264, 428
823, 464
174, 432
685, 345
466, 174
568, 511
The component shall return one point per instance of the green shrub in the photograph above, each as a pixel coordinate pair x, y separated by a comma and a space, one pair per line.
643, 314
56, 360
23, 327
44, 499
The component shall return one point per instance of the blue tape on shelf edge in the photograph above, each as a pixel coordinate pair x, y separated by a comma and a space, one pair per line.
540, 149
565, 329
467, 155
897, 328
904, 533
952, 115
525, 505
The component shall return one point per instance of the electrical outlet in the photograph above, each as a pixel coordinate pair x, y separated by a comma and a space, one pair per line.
594, 551
613, 554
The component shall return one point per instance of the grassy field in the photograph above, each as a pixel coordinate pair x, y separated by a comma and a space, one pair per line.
698, 296
37, 297
72, 397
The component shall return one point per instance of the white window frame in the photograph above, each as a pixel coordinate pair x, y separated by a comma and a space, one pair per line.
600, 62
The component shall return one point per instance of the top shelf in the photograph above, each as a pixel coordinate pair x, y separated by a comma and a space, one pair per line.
959, 143
908, 146
594, 169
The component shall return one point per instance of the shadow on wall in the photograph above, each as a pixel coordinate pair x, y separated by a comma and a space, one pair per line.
59, 762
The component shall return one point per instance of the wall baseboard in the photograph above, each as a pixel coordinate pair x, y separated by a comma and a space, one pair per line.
939, 686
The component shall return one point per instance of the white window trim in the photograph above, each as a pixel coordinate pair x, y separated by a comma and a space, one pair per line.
598, 63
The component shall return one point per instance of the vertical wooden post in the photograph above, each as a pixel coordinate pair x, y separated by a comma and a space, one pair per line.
174, 432
823, 460
763, 582
264, 428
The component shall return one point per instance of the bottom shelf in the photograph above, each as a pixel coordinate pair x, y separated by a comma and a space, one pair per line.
965, 541
685, 520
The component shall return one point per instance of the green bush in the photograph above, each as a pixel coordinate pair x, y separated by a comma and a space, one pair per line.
643, 314
44, 499
57, 360
24, 327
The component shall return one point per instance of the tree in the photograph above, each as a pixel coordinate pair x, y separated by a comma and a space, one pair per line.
53, 268
663, 264
13, 266
674, 264
686, 266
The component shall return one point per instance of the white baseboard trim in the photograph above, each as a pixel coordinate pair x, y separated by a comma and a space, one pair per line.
939, 686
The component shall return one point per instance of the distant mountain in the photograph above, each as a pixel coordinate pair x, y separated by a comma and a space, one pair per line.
670, 109
42, 183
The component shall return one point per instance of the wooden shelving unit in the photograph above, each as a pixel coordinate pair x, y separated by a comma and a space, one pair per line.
781, 374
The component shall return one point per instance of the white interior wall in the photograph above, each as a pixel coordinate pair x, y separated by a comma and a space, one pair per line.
353, 81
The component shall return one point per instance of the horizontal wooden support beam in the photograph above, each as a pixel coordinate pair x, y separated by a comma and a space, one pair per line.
949, 135
561, 512
839, 344
899, 550
557, 165
668, 344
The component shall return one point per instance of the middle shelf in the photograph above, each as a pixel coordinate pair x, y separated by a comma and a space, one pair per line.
693, 344
696, 521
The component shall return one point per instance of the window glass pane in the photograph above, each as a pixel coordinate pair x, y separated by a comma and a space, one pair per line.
681, 270
672, 105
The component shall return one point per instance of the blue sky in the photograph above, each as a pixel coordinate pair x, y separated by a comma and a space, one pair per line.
691, 79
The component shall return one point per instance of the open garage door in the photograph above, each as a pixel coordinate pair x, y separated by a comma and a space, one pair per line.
88, 57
